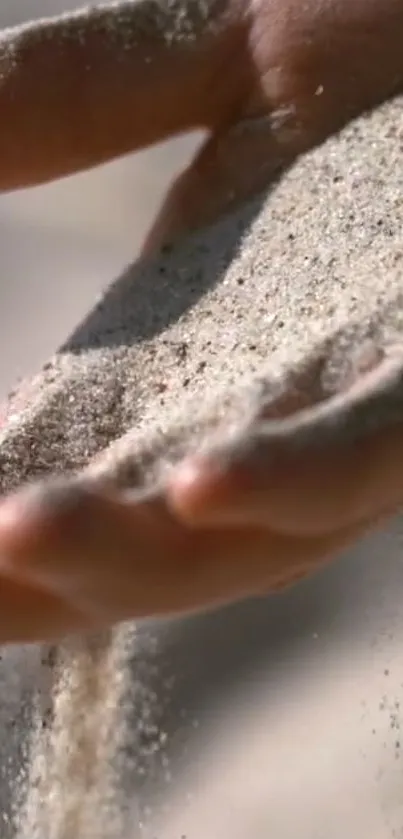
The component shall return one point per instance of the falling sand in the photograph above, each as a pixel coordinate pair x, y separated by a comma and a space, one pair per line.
179, 350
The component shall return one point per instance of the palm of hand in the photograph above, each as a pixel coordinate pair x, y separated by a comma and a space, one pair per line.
267, 86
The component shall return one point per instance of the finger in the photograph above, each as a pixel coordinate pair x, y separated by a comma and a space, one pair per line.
80, 89
114, 558
28, 615
117, 560
318, 472
231, 167
82, 543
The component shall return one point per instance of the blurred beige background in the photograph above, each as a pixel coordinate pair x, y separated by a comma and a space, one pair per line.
62, 243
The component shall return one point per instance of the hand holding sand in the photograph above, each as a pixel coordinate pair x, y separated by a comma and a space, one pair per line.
74, 556
267, 80
252, 519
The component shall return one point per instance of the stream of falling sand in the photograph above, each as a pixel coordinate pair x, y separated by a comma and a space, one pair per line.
72, 784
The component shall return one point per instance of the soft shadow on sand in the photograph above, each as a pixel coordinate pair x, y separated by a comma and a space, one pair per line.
155, 299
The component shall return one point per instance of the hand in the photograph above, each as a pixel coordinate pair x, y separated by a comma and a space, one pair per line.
247, 519
268, 80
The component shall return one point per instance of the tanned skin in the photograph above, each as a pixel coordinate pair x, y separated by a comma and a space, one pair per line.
268, 79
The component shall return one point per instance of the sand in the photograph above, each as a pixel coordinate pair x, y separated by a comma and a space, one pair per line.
221, 321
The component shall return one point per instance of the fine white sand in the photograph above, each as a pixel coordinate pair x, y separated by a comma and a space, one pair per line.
253, 295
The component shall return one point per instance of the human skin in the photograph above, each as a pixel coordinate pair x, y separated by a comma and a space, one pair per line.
249, 518
267, 80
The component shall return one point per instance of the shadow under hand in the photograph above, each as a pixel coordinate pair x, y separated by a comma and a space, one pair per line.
187, 673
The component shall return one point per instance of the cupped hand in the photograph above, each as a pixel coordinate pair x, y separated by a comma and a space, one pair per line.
247, 519
267, 80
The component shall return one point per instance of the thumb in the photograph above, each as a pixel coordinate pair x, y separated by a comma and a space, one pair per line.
323, 470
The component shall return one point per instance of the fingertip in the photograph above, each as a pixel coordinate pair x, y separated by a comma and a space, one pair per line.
39, 523
19, 531
200, 490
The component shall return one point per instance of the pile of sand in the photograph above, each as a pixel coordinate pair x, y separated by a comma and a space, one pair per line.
221, 321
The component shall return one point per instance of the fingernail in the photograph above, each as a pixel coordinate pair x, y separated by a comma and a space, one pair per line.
198, 488
12, 533
9, 512
187, 479
29, 525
